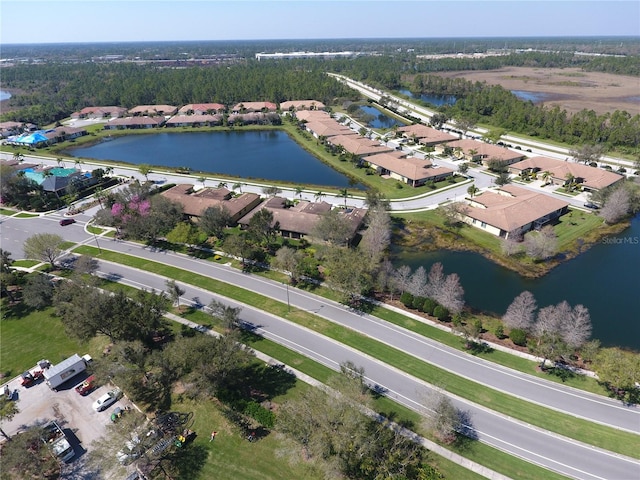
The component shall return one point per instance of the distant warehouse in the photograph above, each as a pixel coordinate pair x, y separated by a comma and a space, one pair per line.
278, 55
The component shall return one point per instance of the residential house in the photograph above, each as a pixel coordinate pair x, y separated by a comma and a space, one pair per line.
314, 116
195, 120
134, 122
299, 220
202, 109
297, 105
475, 151
195, 202
562, 172
358, 145
153, 110
410, 170
328, 128
248, 107
512, 211
261, 118
99, 112
9, 128
425, 135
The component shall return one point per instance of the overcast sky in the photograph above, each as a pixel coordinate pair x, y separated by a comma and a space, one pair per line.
30, 21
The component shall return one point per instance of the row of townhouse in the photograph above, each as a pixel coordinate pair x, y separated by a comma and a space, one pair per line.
195, 114
294, 219
43, 138
383, 159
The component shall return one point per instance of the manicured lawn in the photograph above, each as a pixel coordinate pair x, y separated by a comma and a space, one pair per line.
6, 211
588, 432
25, 263
27, 336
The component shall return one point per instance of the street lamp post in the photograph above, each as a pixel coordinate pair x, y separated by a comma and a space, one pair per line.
288, 303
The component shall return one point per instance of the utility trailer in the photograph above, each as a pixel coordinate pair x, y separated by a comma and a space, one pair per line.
56, 375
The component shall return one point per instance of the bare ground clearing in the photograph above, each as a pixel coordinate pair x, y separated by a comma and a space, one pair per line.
570, 88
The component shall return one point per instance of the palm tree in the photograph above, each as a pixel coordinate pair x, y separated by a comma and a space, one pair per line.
222, 185
472, 190
344, 194
318, 196
237, 186
202, 180
77, 162
546, 175
144, 169
299, 191
18, 157
60, 162
108, 170
570, 182
99, 195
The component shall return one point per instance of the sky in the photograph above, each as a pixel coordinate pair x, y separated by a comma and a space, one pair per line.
80, 21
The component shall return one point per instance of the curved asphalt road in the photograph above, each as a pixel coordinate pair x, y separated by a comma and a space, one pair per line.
551, 451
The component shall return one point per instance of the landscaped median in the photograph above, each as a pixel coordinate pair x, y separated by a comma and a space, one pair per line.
588, 432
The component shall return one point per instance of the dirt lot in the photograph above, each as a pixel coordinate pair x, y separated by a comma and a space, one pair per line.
82, 425
569, 88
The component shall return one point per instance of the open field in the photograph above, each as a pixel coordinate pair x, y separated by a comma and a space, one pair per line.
570, 88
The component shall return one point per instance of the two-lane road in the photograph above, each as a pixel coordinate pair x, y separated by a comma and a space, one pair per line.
535, 445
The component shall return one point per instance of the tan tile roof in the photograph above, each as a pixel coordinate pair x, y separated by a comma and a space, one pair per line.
328, 128
486, 150
254, 106
359, 145
412, 168
191, 119
101, 111
200, 108
314, 115
302, 105
132, 121
303, 217
512, 207
592, 177
194, 203
426, 135
153, 110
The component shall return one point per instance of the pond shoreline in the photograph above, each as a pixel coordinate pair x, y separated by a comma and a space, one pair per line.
413, 236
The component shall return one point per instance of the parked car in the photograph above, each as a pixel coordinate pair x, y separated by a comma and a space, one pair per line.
107, 400
591, 205
27, 378
67, 221
86, 387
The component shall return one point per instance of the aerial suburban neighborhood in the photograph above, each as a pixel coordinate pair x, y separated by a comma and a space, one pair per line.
409, 258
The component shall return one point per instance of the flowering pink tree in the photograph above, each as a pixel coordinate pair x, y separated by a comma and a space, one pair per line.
124, 213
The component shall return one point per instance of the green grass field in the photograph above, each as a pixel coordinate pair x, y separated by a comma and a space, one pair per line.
230, 455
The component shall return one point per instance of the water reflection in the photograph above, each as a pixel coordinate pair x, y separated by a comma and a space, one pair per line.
604, 279
268, 155
436, 100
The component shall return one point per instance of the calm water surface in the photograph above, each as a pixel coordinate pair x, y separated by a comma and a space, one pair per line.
437, 100
269, 155
380, 119
604, 279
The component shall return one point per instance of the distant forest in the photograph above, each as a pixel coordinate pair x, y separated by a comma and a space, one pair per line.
50, 89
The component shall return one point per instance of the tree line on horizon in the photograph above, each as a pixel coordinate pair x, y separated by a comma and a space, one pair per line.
51, 92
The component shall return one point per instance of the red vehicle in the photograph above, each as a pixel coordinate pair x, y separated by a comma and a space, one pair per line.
29, 378
86, 387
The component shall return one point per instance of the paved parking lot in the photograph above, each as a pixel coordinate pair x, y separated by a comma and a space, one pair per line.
73, 412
